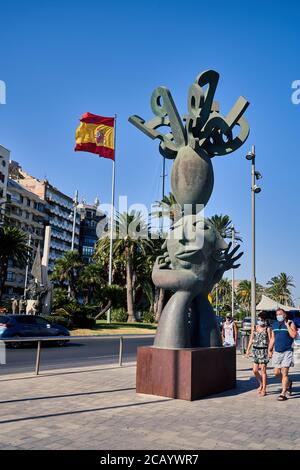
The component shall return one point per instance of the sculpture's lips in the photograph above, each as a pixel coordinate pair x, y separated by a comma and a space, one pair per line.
186, 254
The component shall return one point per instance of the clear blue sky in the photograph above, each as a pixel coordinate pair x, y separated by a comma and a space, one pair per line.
61, 59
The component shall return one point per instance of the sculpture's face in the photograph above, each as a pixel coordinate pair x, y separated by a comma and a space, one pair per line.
194, 244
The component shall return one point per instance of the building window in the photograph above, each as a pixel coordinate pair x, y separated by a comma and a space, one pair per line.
10, 276
87, 251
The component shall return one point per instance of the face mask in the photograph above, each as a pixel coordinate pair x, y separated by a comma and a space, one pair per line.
280, 317
261, 323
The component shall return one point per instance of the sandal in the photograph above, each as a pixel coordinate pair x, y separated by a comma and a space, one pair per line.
282, 398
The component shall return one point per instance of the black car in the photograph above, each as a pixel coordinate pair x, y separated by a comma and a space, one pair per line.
29, 326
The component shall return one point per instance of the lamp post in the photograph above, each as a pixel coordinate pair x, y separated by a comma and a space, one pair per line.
255, 175
74, 220
73, 231
27, 267
233, 235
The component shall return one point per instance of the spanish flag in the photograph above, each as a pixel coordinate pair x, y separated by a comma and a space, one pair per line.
95, 134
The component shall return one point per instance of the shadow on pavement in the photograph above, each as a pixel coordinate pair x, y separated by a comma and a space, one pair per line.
249, 384
69, 395
89, 410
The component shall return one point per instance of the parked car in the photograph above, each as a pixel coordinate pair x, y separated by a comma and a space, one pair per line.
246, 323
25, 326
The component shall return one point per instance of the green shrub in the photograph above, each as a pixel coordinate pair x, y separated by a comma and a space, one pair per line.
81, 321
114, 293
61, 312
6, 304
64, 321
119, 315
90, 310
60, 298
75, 316
73, 308
148, 317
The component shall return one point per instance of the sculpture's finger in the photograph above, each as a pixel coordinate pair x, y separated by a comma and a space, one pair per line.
235, 258
235, 266
163, 265
235, 249
228, 248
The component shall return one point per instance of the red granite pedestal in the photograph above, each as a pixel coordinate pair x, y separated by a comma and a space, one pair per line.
188, 374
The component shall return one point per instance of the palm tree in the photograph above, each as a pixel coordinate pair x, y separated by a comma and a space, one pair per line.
14, 247
67, 269
279, 289
130, 243
224, 292
92, 276
168, 206
223, 225
244, 294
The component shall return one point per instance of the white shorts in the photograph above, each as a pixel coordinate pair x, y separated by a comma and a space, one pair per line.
282, 359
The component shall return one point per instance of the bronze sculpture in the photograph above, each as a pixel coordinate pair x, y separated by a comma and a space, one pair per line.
196, 255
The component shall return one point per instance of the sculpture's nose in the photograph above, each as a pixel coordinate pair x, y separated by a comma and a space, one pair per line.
183, 238
221, 244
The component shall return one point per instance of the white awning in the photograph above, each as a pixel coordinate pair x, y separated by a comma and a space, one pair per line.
269, 304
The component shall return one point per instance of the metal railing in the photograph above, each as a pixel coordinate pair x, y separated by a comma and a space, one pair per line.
40, 340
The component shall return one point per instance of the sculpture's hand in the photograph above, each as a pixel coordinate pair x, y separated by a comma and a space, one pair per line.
227, 259
163, 261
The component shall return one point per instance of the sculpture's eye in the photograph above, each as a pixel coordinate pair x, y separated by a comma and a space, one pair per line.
203, 226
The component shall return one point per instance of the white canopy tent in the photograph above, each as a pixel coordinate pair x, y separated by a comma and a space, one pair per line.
269, 304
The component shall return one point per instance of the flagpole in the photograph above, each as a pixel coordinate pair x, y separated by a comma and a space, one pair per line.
113, 180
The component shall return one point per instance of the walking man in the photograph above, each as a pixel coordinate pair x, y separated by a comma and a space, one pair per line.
283, 334
229, 332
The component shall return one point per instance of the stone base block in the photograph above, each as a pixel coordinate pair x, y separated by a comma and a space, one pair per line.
188, 374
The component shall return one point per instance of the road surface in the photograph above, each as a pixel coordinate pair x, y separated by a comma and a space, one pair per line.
77, 353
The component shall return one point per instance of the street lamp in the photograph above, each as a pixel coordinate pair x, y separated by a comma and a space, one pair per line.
27, 266
234, 233
74, 220
75, 204
255, 175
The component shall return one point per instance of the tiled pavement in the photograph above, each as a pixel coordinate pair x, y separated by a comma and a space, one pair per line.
97, 408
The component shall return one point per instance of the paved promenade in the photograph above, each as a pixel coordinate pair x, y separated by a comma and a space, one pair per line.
97, 408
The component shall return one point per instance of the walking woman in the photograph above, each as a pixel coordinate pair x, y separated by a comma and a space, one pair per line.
259, 340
